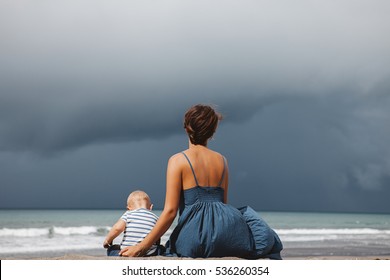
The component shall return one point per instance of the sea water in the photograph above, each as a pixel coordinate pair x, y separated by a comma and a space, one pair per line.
49, 233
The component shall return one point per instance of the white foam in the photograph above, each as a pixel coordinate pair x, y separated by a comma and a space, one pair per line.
34, 232
76, 230
327, 231
29, 240
57, 244
324, 234
24, 232
307, 238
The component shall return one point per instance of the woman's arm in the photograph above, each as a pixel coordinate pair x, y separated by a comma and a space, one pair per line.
172, 198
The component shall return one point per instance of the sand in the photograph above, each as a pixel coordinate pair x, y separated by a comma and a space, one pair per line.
288, 253
88, 257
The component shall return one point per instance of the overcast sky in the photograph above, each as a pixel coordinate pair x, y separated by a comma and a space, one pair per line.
93, 92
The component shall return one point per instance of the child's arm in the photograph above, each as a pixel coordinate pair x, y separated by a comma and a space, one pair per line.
171, 205
116, 229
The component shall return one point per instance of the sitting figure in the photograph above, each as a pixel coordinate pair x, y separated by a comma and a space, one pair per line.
197, 188
135, 223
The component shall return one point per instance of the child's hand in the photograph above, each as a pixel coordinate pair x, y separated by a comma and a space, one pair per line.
106, 244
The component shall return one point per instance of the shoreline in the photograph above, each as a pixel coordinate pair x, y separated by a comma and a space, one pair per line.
161, 258
289, 253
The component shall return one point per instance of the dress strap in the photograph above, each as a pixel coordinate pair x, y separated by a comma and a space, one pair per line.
223, 172
193, 172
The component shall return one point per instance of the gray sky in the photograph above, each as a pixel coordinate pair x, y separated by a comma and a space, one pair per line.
92, 95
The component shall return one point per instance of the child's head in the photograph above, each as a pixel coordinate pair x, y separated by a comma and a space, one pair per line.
138, 199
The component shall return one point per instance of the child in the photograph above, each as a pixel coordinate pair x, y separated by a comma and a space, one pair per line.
136, 223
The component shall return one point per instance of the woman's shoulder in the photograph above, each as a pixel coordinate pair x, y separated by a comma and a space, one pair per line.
176, 158
218, 155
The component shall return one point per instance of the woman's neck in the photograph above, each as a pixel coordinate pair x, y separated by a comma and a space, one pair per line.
196, 147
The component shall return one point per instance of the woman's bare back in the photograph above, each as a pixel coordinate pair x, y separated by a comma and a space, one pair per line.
208, 166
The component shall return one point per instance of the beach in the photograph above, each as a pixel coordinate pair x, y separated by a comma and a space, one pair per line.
78, 235
310, 252
161, 258
334, 251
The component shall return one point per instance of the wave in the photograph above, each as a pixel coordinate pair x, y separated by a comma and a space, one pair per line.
326, 234
58, 239
331, 231
52, 231
55, 240
103, 230
50, 248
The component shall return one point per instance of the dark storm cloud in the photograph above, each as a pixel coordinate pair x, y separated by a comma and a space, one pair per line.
72, 76
50, 124
70, 79
304, 88
328, 154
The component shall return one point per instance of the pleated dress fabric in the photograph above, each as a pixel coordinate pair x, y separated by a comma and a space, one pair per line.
207, 227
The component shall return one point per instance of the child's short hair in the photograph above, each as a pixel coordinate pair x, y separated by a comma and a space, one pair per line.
138, 198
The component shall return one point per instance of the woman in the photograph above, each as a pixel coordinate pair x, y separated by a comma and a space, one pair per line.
197, 186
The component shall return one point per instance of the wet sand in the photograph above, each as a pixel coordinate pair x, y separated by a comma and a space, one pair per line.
89, 257
319, 252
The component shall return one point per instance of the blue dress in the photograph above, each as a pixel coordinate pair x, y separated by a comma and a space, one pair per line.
207, 227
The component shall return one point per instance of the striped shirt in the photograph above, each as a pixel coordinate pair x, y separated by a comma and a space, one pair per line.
139, 223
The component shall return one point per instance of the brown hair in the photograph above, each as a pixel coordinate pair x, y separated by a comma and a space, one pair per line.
200, 122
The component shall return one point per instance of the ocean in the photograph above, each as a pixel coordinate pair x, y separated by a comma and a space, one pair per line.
51, 233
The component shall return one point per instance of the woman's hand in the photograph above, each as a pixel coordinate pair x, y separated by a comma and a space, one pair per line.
133, 251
